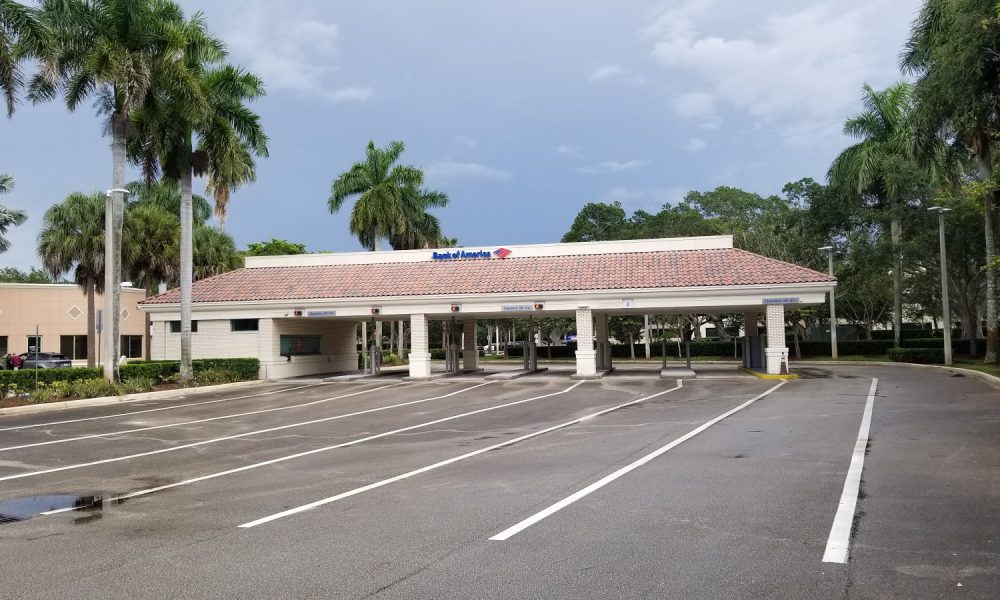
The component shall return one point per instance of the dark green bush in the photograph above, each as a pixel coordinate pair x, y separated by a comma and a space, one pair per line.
958, 346
917, 355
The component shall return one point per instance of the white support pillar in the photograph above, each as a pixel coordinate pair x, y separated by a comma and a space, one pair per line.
776, 352
470, 355
586, 356
420, 353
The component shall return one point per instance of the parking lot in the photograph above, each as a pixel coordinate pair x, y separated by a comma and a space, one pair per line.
542, 487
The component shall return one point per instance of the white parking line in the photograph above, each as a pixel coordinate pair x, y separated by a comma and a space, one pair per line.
318, 450
437, 465
839, 542
233, 437
170, 425
514, 530
149, 410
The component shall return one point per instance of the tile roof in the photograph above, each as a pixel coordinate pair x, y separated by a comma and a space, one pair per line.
640, 270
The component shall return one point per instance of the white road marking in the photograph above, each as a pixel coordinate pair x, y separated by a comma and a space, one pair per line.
318, 450
839, 542
514, 530
170, 425
234, 437
437, 465
171, 407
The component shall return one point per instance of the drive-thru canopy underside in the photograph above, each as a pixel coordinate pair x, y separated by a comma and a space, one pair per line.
587, 280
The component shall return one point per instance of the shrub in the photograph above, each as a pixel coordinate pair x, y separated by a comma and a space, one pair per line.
214, 376
94, 388
137, 385
24, 379
917, 355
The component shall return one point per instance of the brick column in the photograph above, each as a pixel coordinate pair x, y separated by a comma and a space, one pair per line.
470, 356
586, 356
420, 354
776, 353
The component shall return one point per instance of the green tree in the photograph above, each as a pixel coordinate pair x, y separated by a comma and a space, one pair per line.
214, 253
165, 194
15, 275
952, 50
274, 247
878, 167
383, 191
624, 328
8, 216
72, 238
597, 221
420, 229
22, 37
150, 245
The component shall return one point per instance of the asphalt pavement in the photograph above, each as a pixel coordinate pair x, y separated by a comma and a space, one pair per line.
541, 487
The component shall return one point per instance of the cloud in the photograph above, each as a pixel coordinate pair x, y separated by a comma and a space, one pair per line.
802, 66
569, 150
466, 142
450, 169
291, 50
613, 72
613, 166
697, 106
695, 145
649, 200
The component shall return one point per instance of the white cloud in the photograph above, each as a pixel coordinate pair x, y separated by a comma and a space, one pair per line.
452, 169
569, 150
801, 66
467, 142
605, 73
695, 145
613, 166
697, 106
649, 200
291, 50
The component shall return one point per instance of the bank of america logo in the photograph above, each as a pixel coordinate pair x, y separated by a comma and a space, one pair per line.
502, 252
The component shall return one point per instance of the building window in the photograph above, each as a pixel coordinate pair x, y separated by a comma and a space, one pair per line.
244, 325
175, 327
3, 345
34, 343
293, 345
73, 346
132, 346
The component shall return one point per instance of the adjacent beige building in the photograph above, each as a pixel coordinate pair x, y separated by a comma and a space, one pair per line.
54, 318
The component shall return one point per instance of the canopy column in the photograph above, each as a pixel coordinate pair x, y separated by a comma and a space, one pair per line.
470, 354
586, 355
776, 351
603, 345
420, 354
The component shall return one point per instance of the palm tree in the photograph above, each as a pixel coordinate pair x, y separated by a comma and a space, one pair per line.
150, 245
952, 50
8, 216
184, 140
420, 228
72, 237
21, 37
215, 252
122, 53
166, 195
383, 190
872, 167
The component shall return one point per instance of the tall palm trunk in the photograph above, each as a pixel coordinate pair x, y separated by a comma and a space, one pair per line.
187, 243
985, 163
91, 323
113, 245
896, 229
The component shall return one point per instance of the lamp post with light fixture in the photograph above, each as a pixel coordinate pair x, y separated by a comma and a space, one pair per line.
833, 307
945, 309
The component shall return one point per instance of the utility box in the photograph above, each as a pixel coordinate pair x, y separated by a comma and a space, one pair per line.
753, 352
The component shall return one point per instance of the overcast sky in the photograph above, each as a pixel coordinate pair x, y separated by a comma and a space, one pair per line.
521, 111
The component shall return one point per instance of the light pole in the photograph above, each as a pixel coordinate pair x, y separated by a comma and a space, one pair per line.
113, 208
833, 307
945, 309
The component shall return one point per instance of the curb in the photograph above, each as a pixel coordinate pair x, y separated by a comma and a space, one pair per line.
992, 379
106, 400
769, 377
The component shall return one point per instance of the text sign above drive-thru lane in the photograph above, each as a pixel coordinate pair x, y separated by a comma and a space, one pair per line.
782, 300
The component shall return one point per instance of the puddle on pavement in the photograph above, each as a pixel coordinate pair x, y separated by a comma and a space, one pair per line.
21, 509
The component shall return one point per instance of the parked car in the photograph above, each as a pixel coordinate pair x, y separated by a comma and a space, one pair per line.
45, 360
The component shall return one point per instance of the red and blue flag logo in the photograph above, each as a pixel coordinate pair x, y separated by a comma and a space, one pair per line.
502, 252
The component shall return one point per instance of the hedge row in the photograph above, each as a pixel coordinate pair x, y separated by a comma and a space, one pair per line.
957, 345
917, 355
241, 369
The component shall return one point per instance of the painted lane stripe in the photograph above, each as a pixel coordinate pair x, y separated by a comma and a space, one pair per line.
437, 465
149, 410
234, 437
316, 450
839, 542
511, 531
112, 434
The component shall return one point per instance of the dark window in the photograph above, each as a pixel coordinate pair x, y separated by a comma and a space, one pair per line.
73, 346
175, 327
34, 343
244, 325
132, 346
3, 345
300, 344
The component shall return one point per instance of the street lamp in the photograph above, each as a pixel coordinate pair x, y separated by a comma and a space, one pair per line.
940, 210
833, 307
113, 209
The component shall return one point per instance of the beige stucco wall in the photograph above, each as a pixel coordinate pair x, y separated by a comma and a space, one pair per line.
50, 307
